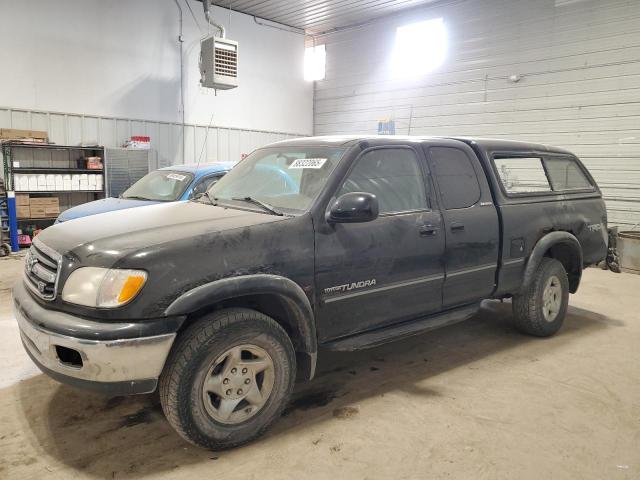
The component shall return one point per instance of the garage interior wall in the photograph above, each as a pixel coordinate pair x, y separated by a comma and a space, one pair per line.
94, 71
578, 64
220, 144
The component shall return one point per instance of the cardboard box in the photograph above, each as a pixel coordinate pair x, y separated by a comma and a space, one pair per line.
23, 211
75, 182
38, 211
22, 199
16, 134
33, 183
44, 201
59, 183
52, 210
42, 182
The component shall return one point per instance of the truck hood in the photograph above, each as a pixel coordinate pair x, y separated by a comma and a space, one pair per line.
114, 234
101, 206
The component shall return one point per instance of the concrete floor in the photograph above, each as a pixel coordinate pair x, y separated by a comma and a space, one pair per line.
475, 400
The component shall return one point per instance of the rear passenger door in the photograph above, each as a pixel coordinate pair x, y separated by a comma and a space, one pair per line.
470, 224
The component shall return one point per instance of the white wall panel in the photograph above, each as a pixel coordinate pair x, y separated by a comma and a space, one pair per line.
74, 130
189, 143
580, 86
90, 130
121, 59
39, 121
212, 143
221, 144
57, 129
107, 132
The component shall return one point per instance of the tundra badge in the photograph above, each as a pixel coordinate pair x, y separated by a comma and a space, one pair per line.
351, 286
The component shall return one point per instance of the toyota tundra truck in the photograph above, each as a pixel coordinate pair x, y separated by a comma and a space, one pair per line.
344, 243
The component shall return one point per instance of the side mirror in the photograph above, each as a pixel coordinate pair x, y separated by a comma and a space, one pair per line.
355, 207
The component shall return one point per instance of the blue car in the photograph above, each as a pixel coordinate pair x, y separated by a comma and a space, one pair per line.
169, 184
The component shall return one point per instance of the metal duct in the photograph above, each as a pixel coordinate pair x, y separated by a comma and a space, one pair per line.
206, 4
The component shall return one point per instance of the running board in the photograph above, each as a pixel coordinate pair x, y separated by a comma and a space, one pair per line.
407, 329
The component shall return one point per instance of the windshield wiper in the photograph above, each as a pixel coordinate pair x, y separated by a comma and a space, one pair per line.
265, 206
134, 197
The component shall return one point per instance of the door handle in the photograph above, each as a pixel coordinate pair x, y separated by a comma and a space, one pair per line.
457, 227
428, 230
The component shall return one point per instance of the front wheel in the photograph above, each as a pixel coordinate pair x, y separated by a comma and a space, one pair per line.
228, 378
541, 308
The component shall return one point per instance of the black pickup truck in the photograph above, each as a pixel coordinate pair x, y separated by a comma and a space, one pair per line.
333, 242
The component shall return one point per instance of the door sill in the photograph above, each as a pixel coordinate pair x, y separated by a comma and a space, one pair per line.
392, 333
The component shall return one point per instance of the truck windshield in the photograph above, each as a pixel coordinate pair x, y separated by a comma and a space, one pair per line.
159, 186
287, 179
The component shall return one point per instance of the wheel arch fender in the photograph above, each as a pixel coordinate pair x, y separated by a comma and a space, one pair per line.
562, 246
298, 317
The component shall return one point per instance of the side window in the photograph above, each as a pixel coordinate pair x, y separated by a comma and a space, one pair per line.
391, 174
565, 174
522, 175
456, 177
204, 184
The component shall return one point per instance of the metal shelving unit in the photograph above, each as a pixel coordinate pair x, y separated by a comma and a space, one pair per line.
60, 191
58, 170
5, 249
37, 158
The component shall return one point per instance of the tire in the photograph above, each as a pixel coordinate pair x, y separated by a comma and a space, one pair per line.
530, 312
208, 350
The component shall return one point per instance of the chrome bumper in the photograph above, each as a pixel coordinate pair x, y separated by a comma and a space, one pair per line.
111, 366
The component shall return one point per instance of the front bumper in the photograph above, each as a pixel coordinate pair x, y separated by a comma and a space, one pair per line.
115, 366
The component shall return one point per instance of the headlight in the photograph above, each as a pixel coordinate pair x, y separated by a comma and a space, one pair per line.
102, 287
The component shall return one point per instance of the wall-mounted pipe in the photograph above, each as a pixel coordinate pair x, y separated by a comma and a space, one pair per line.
277, 26
206, 4
181, 42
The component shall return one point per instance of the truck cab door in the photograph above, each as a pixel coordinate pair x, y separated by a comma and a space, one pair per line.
373, 274
471, 226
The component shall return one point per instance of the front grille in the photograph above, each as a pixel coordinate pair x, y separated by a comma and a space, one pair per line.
41, 270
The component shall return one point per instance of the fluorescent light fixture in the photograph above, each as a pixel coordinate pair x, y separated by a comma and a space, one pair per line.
314, 63
420, 48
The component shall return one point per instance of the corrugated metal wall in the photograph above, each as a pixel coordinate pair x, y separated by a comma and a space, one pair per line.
580, 87
220, 144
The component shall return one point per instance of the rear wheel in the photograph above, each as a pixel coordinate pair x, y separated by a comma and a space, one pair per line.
228, 378
540, 310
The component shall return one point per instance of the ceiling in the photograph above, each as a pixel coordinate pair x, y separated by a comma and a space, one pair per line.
317, 16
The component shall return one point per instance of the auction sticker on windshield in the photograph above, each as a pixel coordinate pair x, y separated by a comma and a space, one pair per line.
308, 163
176, 176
